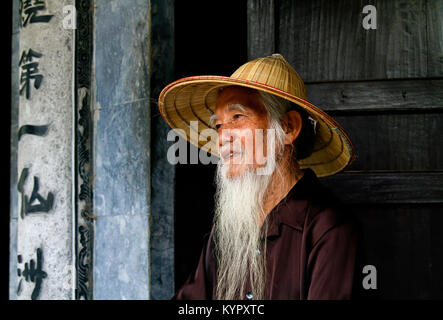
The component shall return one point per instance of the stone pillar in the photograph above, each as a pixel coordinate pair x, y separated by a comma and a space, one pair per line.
121, 142
45, 153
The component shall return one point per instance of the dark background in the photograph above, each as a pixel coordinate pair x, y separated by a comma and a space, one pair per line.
210, 39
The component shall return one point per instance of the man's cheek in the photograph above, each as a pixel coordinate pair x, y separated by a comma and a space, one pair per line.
259, 148
247, 140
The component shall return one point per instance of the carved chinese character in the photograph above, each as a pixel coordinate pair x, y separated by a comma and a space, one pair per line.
29, 72
32, 273
29, 12
34, 130
43, 205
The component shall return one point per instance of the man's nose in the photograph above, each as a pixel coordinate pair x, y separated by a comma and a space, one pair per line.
225, 136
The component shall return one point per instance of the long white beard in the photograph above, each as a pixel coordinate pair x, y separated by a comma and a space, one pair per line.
238, 232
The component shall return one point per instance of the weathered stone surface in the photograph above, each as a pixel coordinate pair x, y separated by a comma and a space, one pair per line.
15, 16
13, 281
13, 203
121, 257
122, 159
121, 51
121, 185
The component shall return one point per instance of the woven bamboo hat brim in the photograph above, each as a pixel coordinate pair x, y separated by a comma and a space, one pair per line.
194, 99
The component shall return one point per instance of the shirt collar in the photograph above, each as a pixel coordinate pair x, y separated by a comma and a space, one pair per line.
291, 210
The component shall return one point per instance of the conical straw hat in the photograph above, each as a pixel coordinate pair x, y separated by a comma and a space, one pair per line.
194, 99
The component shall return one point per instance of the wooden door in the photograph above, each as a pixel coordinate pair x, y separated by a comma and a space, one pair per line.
385, 87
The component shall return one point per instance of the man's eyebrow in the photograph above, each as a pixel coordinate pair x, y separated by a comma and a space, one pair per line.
231, 107
236, 106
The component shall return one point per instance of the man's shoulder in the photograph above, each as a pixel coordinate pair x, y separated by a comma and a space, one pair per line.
311, 204
325, 216
325, 212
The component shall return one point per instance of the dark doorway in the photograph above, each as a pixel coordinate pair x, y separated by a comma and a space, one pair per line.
210, 39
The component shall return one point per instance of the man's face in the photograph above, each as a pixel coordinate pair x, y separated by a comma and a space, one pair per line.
239, 112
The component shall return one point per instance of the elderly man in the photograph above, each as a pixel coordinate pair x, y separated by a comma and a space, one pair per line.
278, 233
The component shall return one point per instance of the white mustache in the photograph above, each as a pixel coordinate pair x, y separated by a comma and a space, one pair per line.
228, 148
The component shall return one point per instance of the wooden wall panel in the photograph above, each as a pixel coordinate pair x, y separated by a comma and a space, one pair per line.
435, 37
325, 40
404, 243
261, 28
396, 141
387, 187
377, 96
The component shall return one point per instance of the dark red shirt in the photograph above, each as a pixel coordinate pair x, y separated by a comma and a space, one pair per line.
311, 249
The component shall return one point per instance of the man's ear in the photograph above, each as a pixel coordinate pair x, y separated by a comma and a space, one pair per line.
292, 124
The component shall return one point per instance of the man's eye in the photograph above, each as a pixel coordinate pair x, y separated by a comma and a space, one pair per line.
218, 126
238, 115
